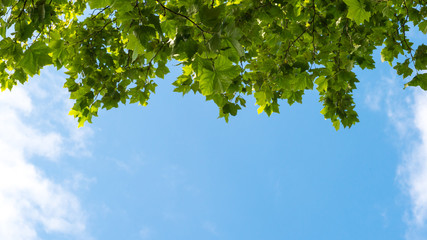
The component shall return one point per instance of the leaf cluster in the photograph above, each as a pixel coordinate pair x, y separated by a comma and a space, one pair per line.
112, 50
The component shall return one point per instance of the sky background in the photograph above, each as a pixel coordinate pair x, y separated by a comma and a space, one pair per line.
172, 170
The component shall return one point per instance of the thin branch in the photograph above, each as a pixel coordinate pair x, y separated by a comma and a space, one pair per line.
38, 35
151, 60
94, 32
155, 55
181, 15
102, 10
312, 31
403, 24
139, 10
202, 31
23, 8
293, 42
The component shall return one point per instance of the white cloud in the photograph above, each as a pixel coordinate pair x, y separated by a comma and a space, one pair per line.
29, 199
412, 173
79, 182
33, 123
407, 113
387, 95
47, 91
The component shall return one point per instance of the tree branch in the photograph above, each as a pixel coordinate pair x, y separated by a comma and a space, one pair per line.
181, 15
404, 30
312, 31
102, 10
293, 42
23, 8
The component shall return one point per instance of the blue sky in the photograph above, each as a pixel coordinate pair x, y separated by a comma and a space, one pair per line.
172, 170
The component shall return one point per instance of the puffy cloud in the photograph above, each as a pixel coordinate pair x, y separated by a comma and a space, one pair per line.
34, 123
29, 200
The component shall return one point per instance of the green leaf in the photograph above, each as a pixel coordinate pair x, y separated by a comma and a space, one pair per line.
403, 68
234, 34
419, 80
99, 3
356, 11
217, 77
2, 28
322, 83
24, 31
35, 58
20, 75
120, 5
215, 43
144, 34
209, 16
336, 124
161, 70
231, 108
261, 98
388, 12
156, 23
423, 26
6, 47
237, 46
421, 57
135, 45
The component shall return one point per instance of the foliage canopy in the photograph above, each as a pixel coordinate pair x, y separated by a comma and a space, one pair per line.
272, 49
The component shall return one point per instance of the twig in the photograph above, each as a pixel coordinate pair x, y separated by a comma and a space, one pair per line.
95, 31
23, 8
155, 55
151, 60
403, 29
102, 10
293, 42
312, 32
181, 15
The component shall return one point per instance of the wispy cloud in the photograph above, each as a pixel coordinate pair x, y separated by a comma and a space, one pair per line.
412, 172
34, 123
145, 233
387, 95
210, 227
407, 113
